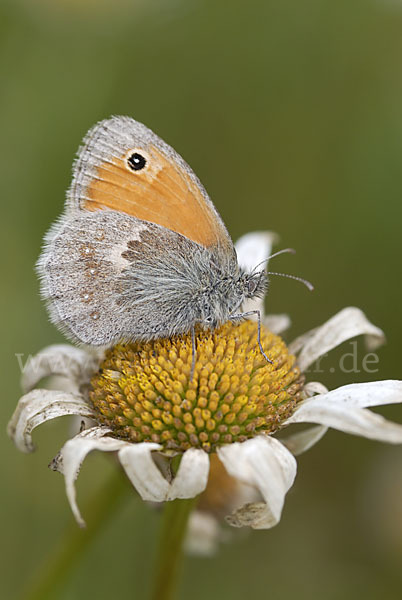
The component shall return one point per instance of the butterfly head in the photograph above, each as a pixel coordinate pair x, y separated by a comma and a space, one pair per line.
255, 284
225, 299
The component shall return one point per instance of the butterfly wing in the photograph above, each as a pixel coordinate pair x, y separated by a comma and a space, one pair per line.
165, 191
108, 277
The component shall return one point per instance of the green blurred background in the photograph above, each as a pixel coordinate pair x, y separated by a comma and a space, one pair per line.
291, 114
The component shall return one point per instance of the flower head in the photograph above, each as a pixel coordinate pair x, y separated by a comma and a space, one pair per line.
145, 392
146, 407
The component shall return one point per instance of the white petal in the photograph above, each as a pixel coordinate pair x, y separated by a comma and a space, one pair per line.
192, 476
253, 248
302, 441
39, 406
348, 417
71, 456
62, 384
314, 387
203, 534
143, 473
265, 463
348, 323
251, 305
255, 515
362, 395
60, 359
277, 323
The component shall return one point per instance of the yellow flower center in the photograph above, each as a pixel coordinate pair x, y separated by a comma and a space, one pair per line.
143, 391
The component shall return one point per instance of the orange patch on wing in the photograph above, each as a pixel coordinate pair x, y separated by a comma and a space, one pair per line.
162, 193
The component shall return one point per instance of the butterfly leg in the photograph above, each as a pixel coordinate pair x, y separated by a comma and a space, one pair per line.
248, 314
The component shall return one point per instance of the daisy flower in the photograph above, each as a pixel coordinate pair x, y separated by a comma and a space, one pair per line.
172, 433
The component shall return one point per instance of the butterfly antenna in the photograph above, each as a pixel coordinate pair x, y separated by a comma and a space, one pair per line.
304, 281
284, 251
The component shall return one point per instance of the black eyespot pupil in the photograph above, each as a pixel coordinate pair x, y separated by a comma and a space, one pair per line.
136, 162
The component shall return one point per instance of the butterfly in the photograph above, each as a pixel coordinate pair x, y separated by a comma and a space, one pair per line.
140, 252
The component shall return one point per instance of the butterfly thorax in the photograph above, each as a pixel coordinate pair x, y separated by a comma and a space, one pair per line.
223, 300
207, 288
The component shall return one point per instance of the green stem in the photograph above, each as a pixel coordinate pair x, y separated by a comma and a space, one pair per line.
174, 526
75, 541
